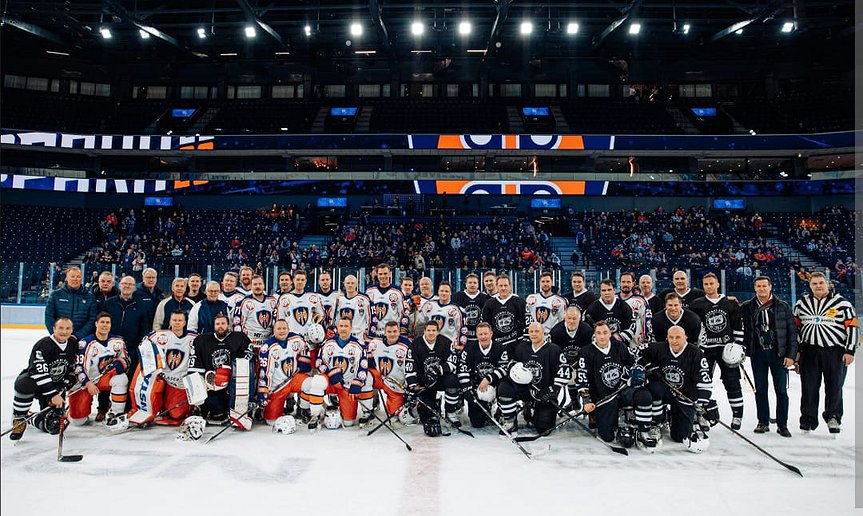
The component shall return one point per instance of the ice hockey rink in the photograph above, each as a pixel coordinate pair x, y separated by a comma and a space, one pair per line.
346, 472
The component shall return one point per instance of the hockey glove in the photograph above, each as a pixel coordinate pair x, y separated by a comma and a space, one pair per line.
637, 376
119, 366
711, 412
544, 394
222, 377
336, 378
355, 388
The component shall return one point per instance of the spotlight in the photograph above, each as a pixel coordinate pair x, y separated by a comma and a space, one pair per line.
417, 28
202, 33
635, 28
106, 32
788, 27
356, 29
738, 31
752, 132
686, 28
526, 28
464, 28
307, 30
144, 34
250, 32
572, 28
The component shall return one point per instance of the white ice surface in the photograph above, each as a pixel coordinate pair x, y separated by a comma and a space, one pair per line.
347, 473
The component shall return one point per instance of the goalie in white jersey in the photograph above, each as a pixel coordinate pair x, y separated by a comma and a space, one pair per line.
356, 307
300, 308
158, 380
388, 303
641, 312
545, 307
449, 316
255, 314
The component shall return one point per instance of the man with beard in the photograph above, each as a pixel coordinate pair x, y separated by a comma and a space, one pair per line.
545, 307
641, 312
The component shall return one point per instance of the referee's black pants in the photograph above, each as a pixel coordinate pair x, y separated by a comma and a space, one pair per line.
817, 363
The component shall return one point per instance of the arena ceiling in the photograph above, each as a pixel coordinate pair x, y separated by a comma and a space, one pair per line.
306, 30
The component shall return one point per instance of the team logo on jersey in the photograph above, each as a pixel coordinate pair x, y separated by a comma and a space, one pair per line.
380, 310
610, 374
542, 314
104, 363
221, 357
173, 358
673, 375
57, 370
342, 362
831, 313
346, 313
613, 324
394, 299
485, 368
288, 367
161, 339
385, 366
439, 320
472, 314
504, 321
301, 315
264, 318
117, 346
716, 321
536, 369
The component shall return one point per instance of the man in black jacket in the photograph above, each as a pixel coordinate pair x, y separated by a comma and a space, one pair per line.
129, 319
104, 290
74, 302
770, 339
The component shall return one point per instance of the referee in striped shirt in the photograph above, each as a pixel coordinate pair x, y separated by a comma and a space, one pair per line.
827, 331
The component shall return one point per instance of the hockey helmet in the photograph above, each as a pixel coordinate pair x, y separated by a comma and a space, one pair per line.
520, 374
285, 425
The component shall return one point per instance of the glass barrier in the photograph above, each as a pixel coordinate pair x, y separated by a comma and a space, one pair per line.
32, 282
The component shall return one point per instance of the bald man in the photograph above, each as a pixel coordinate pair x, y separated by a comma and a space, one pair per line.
355, 306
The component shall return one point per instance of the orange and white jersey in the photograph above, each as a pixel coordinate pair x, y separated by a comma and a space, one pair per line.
449, 318
328, 301
280, 360
348, 358
388, 304
168, 353
255, 317
359, 310
389, 360
300, 311
547, 311
95, 356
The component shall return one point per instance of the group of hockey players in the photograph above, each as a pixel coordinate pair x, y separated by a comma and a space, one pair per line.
634, 363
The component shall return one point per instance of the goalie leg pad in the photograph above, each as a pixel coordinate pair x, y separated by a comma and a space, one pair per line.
240, 385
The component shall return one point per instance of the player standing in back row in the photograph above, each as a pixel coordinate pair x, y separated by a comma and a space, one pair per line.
545, 307
471, 301
506, 313
388, 303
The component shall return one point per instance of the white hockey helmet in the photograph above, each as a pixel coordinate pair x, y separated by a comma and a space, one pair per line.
316, 334
285, 425
488, 396
408, 415
192, 429
520, 374
333, 420
733, 354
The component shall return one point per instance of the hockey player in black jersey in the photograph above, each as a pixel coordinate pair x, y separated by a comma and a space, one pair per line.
430, 368
471, 300
215, 357
50, 371
506, 313
603, 367
723, 340
680, 369
571, 335
675, 315
681, 288
481, 367
645, 284
579, 296
613, 310
538, 371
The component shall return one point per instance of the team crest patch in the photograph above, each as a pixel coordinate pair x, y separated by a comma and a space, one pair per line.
301, 315
264, 318
288, 367
385, 366
380, 310
104, 363
347, 313
173, 358
542, 314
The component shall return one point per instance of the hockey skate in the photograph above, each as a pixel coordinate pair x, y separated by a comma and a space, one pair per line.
431, 427
736, 423
833, 425
100, 415
646, 441
511, 426
19, 424
453, 419
365, 417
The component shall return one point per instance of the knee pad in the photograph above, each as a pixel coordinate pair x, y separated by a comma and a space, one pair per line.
119, 381
315, 385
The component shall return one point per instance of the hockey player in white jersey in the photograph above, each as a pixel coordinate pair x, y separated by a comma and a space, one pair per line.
545, 307
449, 317
328, 296
245, 280
230, 294
388, 303
300, 308
356, 307
641, 311
387, 360
255, 314
416, 303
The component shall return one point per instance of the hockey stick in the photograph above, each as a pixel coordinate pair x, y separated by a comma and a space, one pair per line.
60, 456
29, 419
698, 408
385, 421
570, 417
231, 425
392, 431
441, 418
616, 449
502, 429
748, 379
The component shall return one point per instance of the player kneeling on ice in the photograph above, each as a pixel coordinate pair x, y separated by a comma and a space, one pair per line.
431, 368
102, 363
158, 383
285, 364
602, 370
222, 359
343, 371
387, 358
537, 373
49, 373
683, 377
481, 367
